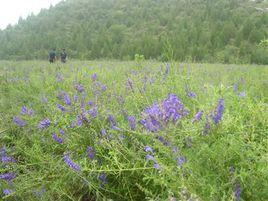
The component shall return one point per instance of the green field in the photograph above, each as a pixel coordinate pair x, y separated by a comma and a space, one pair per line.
136, 131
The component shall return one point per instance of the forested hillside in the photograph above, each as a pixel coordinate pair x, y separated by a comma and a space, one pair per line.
227, 31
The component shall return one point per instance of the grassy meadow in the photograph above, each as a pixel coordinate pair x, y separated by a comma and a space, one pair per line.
144, 130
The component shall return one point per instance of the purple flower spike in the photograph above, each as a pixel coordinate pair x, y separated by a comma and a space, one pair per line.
75, 98
24, 110
7, 159
157, 166
181, 161
57, 138
80, 88
61, 108
90, 103
19, 121
67, 99
103, 178
70, 163
132, 122
94, 77
235, 87
148, 149
79, 122
112, 120
150, 158
8, 176
7, 191
103, 132
103, 87
91, 152
198, 116
219, 112
44, 124
93, 112
62, 132
238, 192
192, 94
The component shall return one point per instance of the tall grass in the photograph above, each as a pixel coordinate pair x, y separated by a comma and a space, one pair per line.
182, 160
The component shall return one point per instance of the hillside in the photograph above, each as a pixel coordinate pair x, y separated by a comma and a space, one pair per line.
226, 31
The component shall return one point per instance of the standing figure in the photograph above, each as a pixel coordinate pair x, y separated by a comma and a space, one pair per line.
52, 56
63, 56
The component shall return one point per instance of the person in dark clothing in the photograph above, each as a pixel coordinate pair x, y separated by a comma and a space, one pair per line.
52, 56
63, 56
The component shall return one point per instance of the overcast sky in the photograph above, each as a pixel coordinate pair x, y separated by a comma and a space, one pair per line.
11, 10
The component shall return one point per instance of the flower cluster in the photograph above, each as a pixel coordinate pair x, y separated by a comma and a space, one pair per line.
44, 124
70, 163
219, 112
158, 115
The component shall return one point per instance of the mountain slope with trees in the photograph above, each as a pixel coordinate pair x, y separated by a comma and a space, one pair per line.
227, 31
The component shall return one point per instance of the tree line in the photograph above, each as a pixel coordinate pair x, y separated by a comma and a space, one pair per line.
226, 31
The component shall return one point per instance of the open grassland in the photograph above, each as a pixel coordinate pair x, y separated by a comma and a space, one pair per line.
133, 131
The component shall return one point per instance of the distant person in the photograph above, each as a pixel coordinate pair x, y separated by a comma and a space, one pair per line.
52, 56
63, 56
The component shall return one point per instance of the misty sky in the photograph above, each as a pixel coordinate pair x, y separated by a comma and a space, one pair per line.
11, 10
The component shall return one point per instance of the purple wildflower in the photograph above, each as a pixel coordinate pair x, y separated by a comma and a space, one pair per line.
31, 112
19, 121
24, 110
79, 121
93, 112
148, 149
219, 112
103, 87
132, 122
191, 94
3, 151
163, 140
8, 159
75, 98
90, 103
153, 116
94, 77
181, 161
7, 191
57, 138
8, 176
175, 149
91, 152
207, 128
198, 116
112, 120
235, 87
115, 128
174, 108
70, 163
103, 132
61, 108
150, 158
67, 99
103, 178
242, 94
44, 124
157, 166
79, 87
62, 132
238, 192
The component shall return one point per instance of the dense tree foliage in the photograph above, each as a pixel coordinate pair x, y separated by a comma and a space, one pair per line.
228, 31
